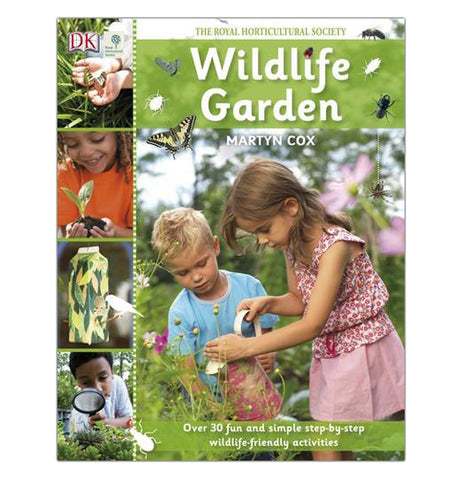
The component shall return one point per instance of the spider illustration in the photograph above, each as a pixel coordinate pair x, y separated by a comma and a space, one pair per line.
378, 191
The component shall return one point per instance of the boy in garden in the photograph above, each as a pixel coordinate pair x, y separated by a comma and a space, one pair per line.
94, 370
207, 305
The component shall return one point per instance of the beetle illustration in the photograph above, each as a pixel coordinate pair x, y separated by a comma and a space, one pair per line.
383, 104
372, 33
308, 52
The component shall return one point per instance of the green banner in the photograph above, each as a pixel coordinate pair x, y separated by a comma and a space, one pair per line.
271, 83
275, 436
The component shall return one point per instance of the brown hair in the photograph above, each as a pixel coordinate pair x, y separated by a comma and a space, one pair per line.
124, 153
259, 192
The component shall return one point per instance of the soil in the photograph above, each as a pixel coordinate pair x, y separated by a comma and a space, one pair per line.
90, 222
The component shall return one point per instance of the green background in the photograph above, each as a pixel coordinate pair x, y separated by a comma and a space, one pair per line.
377, 436
355, 96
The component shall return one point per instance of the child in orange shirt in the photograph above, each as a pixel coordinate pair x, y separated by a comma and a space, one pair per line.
105, 158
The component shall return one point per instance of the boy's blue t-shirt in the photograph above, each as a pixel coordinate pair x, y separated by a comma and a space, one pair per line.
199, 324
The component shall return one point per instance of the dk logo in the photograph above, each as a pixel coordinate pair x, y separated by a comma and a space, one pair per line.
88, 41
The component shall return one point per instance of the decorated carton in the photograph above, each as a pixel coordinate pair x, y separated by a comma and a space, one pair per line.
88, 287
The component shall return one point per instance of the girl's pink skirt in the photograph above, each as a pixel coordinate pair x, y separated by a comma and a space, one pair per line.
362, 385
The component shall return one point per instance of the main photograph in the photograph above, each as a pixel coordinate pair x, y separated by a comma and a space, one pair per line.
270, 276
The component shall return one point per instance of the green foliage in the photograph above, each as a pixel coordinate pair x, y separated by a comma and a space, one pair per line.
74, 108
159, 392
100, 443
81, 200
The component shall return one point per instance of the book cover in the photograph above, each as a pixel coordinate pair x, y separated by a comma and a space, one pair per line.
248, 191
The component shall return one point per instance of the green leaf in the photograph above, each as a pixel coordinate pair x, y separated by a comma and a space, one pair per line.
74, 122
74, 94
85, 278
74, 198
78, 295
85, 193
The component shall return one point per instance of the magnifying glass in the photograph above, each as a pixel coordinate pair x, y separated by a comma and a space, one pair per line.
89, 400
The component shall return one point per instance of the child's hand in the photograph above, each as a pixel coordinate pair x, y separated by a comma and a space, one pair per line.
76, 230
114, 84
127, 423
257, 306
108, 65
108, 232
98, 417
227, 348
267, 361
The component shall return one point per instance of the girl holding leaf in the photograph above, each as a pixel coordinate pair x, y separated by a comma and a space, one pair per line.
95, 184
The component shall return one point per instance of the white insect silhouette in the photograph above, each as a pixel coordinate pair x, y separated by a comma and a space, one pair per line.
372, 66
143, 441
120, 306
156, 103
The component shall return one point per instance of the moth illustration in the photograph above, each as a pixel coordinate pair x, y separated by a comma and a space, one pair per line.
169, 67
177, 138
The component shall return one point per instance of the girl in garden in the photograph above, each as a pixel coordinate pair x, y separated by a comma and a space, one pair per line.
105, 158
357, 370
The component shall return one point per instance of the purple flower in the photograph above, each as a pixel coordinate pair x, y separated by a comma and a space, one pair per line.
391, 240
161, 342
343, 194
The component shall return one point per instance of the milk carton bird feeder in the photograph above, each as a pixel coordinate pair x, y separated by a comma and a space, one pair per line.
88, 287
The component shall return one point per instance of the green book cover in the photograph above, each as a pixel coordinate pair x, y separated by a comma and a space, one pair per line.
247, 164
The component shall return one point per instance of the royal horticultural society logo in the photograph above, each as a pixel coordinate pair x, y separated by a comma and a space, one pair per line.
85, 42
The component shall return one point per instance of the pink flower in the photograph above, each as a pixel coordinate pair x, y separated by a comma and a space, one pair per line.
161, 342
149, 339
391, 240
343, 194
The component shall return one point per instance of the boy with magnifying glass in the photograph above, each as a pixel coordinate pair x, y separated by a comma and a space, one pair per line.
93, 370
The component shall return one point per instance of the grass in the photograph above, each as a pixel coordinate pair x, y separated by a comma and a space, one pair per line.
74, 108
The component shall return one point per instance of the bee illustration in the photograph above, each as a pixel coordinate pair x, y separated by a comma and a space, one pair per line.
378, 191
383, 104
308, 52
372, 33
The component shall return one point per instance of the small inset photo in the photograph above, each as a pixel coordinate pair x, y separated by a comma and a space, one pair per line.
95, 295
95, 184
95, 73
95, 412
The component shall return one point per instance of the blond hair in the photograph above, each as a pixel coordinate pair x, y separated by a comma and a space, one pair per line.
259, 193
178, 229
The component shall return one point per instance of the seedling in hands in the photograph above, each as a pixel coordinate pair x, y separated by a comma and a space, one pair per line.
81, 200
